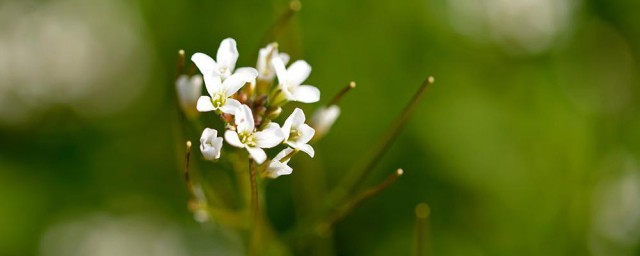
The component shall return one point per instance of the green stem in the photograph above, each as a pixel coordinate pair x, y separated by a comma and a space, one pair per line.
353, 180
281, 23
390, 136
422, 215
341, 93
356, 201
255, 208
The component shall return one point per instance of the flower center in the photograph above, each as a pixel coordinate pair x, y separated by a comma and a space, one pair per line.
222, 70
218, 99
295, 134
247, 139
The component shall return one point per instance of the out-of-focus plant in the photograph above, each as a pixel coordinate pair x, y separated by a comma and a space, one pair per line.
247, 102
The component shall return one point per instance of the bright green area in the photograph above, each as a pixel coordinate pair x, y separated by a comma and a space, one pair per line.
516, 151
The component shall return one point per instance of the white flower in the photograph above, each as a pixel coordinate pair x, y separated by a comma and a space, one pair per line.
245, 135
221, 92
210, 144
297, 134
291, 79
227, 57
264, 66
323, 119
188, 92
278, 166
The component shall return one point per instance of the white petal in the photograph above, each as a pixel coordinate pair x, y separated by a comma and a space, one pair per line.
288, 93
182, 79
212, 83
284, 57
217, 144
244, 119
230, 107
196, 86
208, 133
297, 118
286, 128
210, 144
282, 154
188, 91
257, 154
306, 133
233, 83
232, 138
298, 72
306, 94
204, 104
270, 137
281, 70
324, 118
264, 59
247, 70
307, 149
227, 54
205, 64
276, 169
212, 151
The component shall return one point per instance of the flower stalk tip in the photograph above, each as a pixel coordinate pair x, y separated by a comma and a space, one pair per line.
181, 61
186, 176
295, 5
341, 93
422, 211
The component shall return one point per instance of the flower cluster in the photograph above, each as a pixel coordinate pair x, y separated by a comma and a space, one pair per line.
249, 99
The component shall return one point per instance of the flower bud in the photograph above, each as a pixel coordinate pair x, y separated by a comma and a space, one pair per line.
273, 112
323, 119
188, 90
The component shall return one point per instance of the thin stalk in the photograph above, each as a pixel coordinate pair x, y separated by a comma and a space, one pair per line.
356, 201
391, 134
186, 175
181, 61
422, 215
341, 93
255, 208
281, 23
352, 181
355, 178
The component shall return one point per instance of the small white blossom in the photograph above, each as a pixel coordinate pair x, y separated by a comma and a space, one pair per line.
297, 134
221, 92
278, 166
210, 144
227, 57
245, 135
323, 119
290, 81
264, 66
188, 90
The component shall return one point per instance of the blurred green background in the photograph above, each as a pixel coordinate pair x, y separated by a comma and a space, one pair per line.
527, 144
